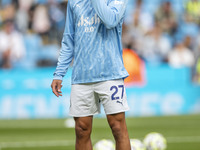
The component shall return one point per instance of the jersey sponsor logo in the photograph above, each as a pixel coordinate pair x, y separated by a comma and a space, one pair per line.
89, 23
86, 21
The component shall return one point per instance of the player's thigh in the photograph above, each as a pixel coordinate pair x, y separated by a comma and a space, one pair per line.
83, 101
112, 96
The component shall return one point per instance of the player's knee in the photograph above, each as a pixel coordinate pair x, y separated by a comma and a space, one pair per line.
82, 130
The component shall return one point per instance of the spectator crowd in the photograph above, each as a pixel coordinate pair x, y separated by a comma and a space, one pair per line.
167, 33
27, 27
159, 31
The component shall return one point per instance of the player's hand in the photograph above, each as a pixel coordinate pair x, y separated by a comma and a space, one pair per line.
56, 87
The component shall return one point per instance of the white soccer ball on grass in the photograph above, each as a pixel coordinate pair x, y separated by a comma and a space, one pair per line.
69, 123
104, 145
155, 141
136, 144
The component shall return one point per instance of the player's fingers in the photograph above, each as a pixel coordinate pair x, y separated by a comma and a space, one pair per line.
59, 89
54, 89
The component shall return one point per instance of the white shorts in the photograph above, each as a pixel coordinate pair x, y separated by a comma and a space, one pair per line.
87, 98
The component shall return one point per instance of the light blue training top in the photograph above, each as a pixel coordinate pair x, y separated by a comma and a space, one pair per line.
92, 38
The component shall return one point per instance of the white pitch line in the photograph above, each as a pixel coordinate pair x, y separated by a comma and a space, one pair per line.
186, 139
36, 144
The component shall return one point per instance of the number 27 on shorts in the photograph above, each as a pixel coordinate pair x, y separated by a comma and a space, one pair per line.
115, 90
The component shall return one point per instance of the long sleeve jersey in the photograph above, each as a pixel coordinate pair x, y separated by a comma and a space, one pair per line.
92, 39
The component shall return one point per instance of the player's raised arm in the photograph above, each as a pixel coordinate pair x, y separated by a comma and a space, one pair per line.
111, 13
66, 53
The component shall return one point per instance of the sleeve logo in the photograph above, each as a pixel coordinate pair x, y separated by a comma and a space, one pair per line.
118, 2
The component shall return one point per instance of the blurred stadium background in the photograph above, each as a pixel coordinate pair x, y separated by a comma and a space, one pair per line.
161, 41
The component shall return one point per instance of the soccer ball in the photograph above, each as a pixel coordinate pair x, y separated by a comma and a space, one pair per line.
137, 144
104, 145
69, 123
155, 141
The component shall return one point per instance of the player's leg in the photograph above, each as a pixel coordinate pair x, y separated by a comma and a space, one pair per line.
84, 103
113, 97
118, 126
83, 129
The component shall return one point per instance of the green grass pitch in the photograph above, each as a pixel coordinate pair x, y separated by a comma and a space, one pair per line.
181, 132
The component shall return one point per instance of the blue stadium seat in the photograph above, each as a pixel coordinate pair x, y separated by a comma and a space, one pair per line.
49, 52
33, 45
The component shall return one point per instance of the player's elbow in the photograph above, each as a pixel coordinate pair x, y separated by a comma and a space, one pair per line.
112, 21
